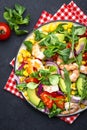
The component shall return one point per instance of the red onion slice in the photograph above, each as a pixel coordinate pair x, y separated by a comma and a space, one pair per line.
40, 88
21, 66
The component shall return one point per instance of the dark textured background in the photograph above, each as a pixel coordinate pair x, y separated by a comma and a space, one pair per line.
16, 114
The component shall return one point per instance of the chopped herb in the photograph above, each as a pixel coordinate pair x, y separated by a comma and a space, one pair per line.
19, 72
29, 45
54, 111
41, 105
39, 35
21, 87
68, 83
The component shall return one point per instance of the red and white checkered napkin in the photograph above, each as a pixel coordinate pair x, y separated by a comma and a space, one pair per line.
66, 12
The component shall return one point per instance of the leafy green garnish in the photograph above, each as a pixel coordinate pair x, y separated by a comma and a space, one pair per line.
32, 85
60, 28
46, 77
67, 83
29, 45
79, 59
41, 105
24, 86
52, 68
14, 18
48, 53
54, 79
39, 35
19, 72
21, 87
53, 46
64, 54
73, 37
54, 111
80, 30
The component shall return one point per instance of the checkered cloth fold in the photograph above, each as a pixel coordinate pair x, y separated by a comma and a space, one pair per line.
66, 12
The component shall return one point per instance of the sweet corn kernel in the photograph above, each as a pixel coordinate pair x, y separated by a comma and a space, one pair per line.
70, 24
73, 92
45, 28
32, 40
65, 27
66, 99
25, 73
22, 51
52, 27
64, 41
83, 62
25, 53
25, 66
29, 60
20, 58
69, 30
28, 54
73, 86
22, 79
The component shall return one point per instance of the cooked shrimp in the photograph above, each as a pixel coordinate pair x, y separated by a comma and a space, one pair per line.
70, 108
36, 52
74, 76
83, 69
73, 68
69, 67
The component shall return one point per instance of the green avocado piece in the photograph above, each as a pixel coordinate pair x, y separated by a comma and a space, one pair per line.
33, 98
79, 85
62, 85
60, 37
81, 45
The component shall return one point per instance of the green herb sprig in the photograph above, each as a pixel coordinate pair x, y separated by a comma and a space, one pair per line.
68, 83
15, 19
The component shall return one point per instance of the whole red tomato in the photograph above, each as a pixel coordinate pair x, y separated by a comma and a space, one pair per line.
5, 31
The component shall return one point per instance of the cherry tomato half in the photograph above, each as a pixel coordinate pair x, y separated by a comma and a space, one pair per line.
45, 97
30, 79
5, 31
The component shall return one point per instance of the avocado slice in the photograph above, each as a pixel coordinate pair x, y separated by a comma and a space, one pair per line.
60, 37
79, 85
81, 45
33, 98
62, 85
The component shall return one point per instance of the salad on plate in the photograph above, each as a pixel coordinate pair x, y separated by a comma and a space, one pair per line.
51, 68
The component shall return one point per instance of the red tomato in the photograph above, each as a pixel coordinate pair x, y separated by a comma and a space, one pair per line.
30, 79
59, 101
45, 97
68, 45
5, 31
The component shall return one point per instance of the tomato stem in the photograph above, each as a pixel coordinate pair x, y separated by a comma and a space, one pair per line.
2, 32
